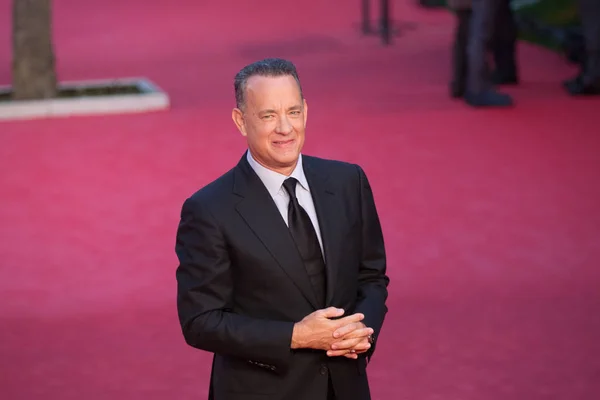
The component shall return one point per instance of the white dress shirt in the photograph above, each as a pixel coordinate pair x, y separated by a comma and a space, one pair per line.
273, 181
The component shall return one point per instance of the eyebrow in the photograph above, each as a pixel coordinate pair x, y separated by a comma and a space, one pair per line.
271, 111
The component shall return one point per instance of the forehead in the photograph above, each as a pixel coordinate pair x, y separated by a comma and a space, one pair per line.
272, 90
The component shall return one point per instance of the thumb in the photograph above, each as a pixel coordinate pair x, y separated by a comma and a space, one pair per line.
332, 312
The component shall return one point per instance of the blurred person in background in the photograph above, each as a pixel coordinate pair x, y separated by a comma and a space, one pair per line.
587, 82
483, 26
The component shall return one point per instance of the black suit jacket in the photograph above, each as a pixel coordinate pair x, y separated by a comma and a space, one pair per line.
242, 284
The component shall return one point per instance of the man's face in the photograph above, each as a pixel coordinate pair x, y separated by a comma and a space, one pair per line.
273, 121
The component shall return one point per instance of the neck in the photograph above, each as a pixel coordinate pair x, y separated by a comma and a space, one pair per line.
283, 169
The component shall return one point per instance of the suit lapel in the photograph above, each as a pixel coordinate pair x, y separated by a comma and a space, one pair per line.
328, 211
259, 211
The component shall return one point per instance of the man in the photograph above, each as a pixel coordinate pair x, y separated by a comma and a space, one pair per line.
282, 260
479, 90
588, 80
503, 47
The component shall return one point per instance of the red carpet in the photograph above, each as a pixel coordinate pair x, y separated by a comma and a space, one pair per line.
491, 217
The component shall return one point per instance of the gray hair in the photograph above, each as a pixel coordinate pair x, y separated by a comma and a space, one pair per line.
268, 67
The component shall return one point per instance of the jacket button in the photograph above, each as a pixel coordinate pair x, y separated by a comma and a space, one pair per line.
323, 370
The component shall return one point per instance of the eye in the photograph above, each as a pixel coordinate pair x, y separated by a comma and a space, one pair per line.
267, 117
295, 112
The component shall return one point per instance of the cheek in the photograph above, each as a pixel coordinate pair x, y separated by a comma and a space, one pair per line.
299, 126
258, 134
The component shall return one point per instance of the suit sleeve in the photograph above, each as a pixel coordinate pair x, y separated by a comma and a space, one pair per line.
204, 297
372, 278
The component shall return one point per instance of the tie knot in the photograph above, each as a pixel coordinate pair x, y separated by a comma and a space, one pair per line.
290, 187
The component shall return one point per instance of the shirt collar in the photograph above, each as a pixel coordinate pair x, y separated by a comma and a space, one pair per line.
272, 180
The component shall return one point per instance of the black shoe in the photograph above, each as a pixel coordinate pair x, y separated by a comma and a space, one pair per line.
488, 98
588, 80
579, 87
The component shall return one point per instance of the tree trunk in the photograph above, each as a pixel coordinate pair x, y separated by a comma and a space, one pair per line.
34, 75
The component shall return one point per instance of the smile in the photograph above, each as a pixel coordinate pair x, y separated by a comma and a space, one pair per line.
283, 142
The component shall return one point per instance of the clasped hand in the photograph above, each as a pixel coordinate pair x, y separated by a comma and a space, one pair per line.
346, 336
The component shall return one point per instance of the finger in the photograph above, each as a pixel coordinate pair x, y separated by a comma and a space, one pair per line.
361, 347
363, 333
338, 353
331, 312
346, 344
358, 349
351, 353
346, 329
352, 344
343, 353
347, 333
350, 319
359, 333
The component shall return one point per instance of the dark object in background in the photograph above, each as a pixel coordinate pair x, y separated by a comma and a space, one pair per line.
551, 23
504, 45
480, 91
459, 53
432, 3
567, 39
385, 27
483, 26
587, 82
573, 45
365, 11
385, 21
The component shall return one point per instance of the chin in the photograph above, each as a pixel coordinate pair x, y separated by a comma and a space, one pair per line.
287, 156
288, 159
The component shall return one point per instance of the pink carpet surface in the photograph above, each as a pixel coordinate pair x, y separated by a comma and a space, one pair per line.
491, 217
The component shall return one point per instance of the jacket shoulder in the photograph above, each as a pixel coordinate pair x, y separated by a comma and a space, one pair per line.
340, 170
215, 191
331, 166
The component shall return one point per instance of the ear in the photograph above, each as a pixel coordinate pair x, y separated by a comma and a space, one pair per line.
305, 111
238, 120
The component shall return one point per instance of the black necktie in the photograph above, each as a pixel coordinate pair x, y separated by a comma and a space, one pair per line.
306, 239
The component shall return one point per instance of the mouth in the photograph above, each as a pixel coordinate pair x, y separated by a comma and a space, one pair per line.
283, 143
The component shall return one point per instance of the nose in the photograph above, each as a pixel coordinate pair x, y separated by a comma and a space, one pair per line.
283, 125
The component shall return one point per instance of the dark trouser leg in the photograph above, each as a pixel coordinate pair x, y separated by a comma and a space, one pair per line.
480, 34
590, 21
479, 86
588, 82
504, 45
459, 53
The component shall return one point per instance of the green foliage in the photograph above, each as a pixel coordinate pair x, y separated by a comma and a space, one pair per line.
557, 13
537, 18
